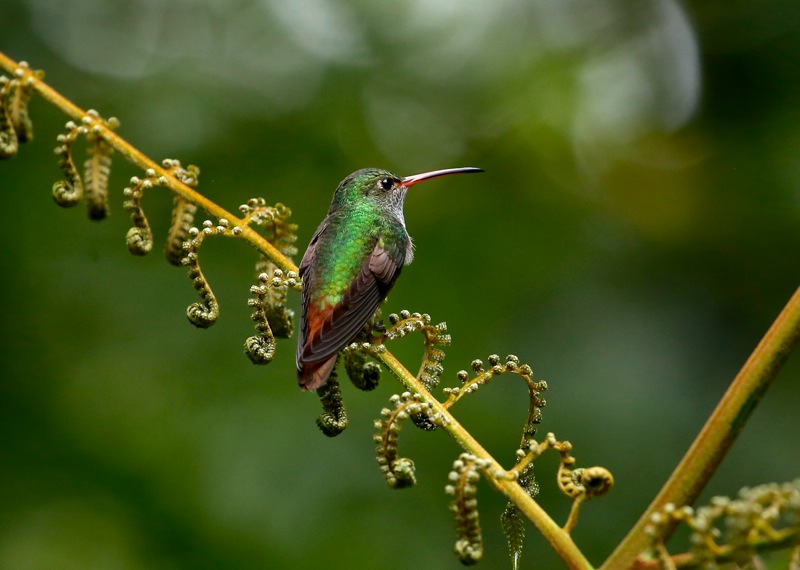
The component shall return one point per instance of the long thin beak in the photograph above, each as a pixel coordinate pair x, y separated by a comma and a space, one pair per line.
409, 181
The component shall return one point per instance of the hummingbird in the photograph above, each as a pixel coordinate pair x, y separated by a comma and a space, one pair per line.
351, 264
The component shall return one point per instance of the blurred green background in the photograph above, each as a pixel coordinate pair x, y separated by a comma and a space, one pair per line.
636, 231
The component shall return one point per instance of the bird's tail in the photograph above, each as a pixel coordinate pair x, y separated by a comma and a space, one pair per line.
314, 374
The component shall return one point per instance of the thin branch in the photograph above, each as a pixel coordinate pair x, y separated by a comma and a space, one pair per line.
688, 479
501, 479
138, 158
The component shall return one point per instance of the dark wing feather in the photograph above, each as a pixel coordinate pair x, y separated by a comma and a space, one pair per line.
304, 274
309, 254
365, 294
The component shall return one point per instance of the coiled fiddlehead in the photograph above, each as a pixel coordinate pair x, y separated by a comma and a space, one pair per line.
69, 191
18, 103
364, 375
15, 123
333, 419
205, 313
9, 143
273, 318
183, 211
579, 484
398, 471
268, 300
463, 486
436, 337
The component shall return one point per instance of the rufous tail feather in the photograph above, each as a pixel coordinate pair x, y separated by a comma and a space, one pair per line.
315, 374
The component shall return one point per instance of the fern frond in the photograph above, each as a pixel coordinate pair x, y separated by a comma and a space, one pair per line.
759, 518
270, 314
333, 419
95, 175
463, 486
69, 191
18, 105
9, 143
183, 211
398, 471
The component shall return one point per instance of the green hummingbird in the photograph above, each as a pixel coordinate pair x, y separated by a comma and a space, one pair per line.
352, 262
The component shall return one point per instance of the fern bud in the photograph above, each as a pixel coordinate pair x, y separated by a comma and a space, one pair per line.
96, 170
9, 143
139, 240
398, 471
183, 213
205, 313
465, 474
69, 191
260, 349
270, 314
364, 375
333, 419
140, 236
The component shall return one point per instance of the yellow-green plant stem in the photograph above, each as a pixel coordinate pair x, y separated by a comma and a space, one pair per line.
500, 479
138, 158
687, 480
560, 540
719, 432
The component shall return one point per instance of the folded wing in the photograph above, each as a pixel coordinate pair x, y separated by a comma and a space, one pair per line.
324, 332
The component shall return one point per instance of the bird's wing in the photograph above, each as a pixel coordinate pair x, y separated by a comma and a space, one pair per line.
309, 254
325, 332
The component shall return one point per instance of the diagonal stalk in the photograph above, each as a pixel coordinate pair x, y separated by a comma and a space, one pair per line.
720, 431
686, 482
135, 156
499, 478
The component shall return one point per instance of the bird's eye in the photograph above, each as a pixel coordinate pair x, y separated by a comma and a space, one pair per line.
386, 183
